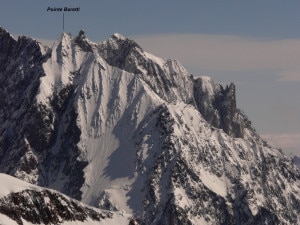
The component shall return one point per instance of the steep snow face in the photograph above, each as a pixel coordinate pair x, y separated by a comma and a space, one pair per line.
205, 176
106, 106
170, 80
121, 129
23, 203
166, 77
60, 69
111, 105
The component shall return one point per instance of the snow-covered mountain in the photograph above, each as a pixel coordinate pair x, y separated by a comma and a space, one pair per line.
121, 129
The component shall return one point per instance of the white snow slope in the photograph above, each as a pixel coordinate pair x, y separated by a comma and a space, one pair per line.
11, 185
111, 104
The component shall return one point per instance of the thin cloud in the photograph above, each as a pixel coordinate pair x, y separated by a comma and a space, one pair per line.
289, 76
227, 53
289, 143
46, 42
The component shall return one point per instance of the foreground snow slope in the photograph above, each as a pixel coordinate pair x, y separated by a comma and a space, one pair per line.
24, 203
118, 128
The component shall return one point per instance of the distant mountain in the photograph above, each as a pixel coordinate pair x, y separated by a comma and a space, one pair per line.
121, 129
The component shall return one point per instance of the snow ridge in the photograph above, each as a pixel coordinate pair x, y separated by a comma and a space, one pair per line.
23, 203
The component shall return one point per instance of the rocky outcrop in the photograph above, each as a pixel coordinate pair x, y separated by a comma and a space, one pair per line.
218, 106
45, 207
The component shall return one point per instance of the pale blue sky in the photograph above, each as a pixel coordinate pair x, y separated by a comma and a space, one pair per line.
255, 44
257, 18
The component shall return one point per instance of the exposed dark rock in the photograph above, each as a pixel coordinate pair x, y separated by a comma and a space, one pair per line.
219, 107
45, 207
21, 67
30, 129
82, 41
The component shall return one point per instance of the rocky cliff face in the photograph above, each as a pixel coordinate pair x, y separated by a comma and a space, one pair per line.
218, 106
21, 68
118, 128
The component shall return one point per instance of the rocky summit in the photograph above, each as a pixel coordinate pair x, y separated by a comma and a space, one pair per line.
120, 129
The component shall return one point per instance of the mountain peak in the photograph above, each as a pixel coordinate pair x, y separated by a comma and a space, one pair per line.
65, 35
7, 41
118, 36
83, 42
4, 31
81, 34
